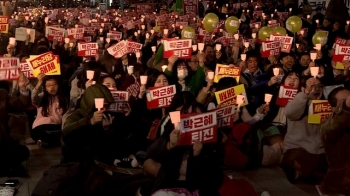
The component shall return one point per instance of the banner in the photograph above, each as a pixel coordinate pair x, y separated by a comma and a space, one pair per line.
9, 68
121, 99
286, 42
225, 116
160, 97
271, 48
4, 24
319, 111
202, 127
190, 6
21, 34
179, 47
341, 53
285, 95
228, 96
46, 63
222, 71
87, 49
118, 50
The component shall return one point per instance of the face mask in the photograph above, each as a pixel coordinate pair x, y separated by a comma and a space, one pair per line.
182, 74
279, 78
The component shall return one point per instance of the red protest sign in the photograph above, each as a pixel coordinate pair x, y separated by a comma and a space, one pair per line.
160, 97
286, 42
121, 99
87, 49
189, 7
339, 40
341, 53
271, 48
144, 7
114, 35
134, 47
55, 34
180, 47
118, 50
76, 33
25, 69
225, 116
285, 95
9, 68
202, 127
4, 24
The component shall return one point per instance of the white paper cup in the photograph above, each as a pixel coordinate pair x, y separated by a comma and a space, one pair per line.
130, 70
218, 47
246, 44
268, 98
164, 67
276, 71
143, 26
12, 41
317, 21
147, 36
236, 36
210, 75
90, 74
99, 102
175, 117
314, 71
313, 56
165, 31
153, 49
152, 31
138, 54
143, 80
318, 47
297, 45
243, 57
201, 46
194, 48
253, 35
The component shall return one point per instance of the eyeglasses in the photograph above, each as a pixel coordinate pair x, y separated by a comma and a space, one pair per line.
51, 85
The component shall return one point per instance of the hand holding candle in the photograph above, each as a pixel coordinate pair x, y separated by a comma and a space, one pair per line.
143, 80
210, 75
276, 71
314, 71
201, 47
175, 119
130, 70
90, 74
99, 102
268, 98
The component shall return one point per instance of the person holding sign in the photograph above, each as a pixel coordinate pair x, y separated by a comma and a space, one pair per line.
335, 136
303, 149
52, 103
182, 166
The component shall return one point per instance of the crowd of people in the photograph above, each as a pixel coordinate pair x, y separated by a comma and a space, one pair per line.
61, 108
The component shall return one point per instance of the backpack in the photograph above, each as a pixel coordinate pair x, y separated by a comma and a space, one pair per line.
59, 180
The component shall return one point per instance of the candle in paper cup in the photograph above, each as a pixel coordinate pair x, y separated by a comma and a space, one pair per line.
139, 32
290, 9
164, 67
181, 27
66, 40
221, 30
318, 47
153, 49
76, 26
90, 74
143, 80
194, 48
26, 17
297, 45
226, 16
130, 70
308, 16
268, 98
108, 40
152, 31
177, 38
314, 71
136, 34
348, 22
275, 10
101, 39
246, 44
253, 35
147, 36
302, 32
99, 102
270, 22
12, 41
138, 54
201, 46
143, 26
271, 15
218, 47
114, 29
236, 36
28, 31
165, 31
243, 57
317, 21
175, 118
240, 100
210, 75
142, 19
276, 71
71, 45
313, 56
256, 26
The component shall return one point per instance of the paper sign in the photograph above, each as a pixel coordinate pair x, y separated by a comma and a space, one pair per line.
341, 53
87, 49
9, 68
160, 97
121, 99
189, 7
228, 96
21, 34
222, 71
202, 127
286, 42
55, 33
225, 116
25, 69
4, 24
180, 47
115, 35
134, 47
319, 111
271, 48
285, 95
339, 40
144, 7
46, 63
76, 33
118, 50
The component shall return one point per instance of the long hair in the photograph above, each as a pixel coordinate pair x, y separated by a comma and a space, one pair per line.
82, 78
152, 78
48, 99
